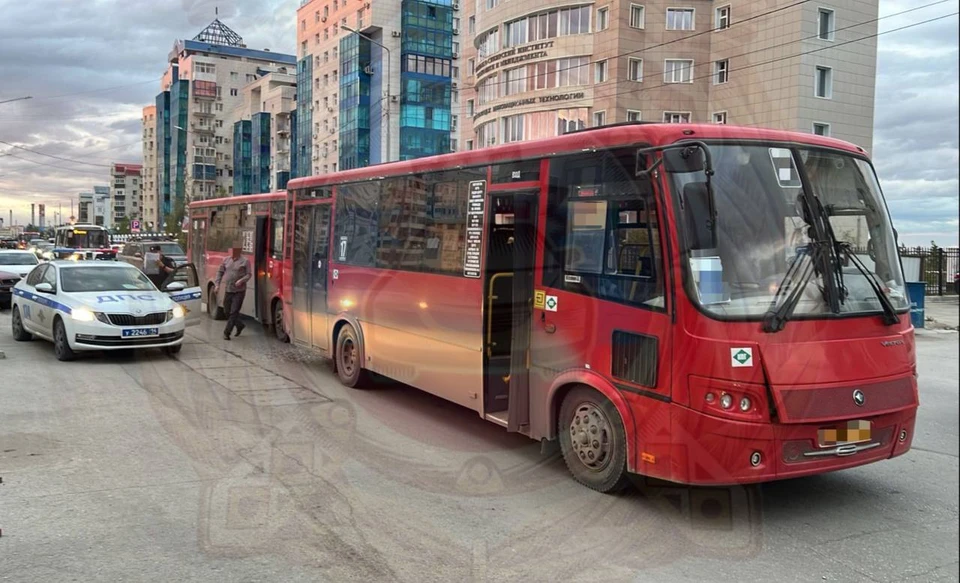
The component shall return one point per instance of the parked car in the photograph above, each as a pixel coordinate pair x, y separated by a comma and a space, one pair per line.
7, 281
103, 305
133, 252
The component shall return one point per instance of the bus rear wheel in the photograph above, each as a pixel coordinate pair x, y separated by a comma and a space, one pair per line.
592, 440
278, 330
348, 358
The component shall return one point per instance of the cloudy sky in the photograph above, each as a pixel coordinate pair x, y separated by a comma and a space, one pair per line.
91, 66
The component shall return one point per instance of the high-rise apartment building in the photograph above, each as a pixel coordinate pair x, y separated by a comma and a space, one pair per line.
201, 93
376, 81
262, 134
149, 201
539, 70
94, 207
125, 192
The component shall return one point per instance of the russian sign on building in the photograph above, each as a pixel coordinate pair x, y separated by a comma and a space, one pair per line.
530, 101
513, 56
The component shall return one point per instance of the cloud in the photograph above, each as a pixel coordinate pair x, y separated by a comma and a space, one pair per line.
105, 58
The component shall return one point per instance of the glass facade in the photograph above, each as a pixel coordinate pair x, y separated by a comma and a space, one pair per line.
163, 153
242, 158
260, 152
426, 64
302, 136
355, 81
179, 103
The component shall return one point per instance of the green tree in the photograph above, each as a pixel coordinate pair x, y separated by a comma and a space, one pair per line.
122, 226
174, 220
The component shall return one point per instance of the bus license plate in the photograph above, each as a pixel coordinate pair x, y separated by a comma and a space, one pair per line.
849, 432
140, 332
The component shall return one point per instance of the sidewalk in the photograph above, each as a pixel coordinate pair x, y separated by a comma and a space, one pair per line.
942, 313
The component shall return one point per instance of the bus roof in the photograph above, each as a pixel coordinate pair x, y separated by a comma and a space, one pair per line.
654, 134
240, 199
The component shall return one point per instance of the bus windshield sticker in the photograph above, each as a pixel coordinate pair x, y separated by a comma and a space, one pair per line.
539, 299
551, 303
571, 278
474, 243
741, 357
343, 248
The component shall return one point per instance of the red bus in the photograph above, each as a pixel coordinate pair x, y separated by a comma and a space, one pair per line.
256, 220
704, 304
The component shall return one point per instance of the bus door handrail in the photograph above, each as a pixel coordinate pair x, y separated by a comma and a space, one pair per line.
490, 298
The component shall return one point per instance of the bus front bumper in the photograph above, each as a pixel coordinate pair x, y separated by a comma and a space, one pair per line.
714, 451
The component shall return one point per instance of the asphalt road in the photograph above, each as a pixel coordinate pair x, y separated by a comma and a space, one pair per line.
247, 461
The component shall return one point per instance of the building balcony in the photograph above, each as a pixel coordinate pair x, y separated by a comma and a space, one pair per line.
202, 112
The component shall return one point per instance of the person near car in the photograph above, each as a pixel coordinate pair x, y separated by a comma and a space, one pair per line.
165, 266
234, 273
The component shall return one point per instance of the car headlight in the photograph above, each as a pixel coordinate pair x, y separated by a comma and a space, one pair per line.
178, 311
83, 315
48, 256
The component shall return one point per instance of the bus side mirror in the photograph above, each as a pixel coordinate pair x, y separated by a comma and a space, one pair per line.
698, 216
684, 159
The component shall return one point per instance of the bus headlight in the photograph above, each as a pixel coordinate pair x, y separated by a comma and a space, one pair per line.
83, 315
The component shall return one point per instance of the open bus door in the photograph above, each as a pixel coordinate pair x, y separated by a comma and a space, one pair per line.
509, 285
260, 290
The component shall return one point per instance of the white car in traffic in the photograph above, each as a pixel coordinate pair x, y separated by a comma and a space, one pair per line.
19, 262
104, 305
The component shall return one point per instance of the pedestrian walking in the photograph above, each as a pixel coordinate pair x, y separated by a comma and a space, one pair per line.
234, 273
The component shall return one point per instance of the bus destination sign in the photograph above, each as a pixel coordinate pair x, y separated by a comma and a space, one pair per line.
474, 246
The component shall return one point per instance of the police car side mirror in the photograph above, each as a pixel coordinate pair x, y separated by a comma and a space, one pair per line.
174, 286
44, 288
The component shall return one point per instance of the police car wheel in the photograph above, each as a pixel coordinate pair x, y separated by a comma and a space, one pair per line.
20, 333
592, 440
61, 347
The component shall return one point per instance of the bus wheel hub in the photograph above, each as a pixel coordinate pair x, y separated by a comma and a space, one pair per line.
590, 436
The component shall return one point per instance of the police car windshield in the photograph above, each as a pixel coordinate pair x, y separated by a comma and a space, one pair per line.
97, 279
18, 259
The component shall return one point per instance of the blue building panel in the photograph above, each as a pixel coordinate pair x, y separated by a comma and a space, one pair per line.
302, 135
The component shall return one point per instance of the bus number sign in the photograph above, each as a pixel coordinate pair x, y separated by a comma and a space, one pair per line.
342, 255
474, 246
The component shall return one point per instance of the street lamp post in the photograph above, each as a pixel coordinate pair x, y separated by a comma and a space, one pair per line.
389, 97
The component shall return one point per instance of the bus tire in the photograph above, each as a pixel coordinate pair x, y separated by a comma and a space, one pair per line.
278, 330
214, 309
592, 440
348, 360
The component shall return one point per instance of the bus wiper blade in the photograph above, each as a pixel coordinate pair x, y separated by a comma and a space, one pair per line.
890, 316
790, 290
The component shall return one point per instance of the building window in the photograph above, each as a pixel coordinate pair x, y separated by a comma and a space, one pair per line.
206, 68
824, 82
316, 39
471, 67
488, 43
303, 48
721, 72
599, 118
676, 117
513, 128
600, 72
472, 25
233, 91
551, 24
634, 115
515, 80
680, 18
678, 71
303, 25
722, 18
470, 107
636, 16
316, 16
603, 18
720, 117
469, 144
635, 69
825, 26
821, 129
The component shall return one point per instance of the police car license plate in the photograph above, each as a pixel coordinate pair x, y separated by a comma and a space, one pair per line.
140, 332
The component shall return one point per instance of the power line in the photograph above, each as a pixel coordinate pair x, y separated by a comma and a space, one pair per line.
656, 46
793, 56
51, 156
55, 166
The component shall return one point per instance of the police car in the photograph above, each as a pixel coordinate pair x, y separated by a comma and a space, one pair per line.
104, 305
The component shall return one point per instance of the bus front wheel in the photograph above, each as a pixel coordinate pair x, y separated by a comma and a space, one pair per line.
592, 440
348, 358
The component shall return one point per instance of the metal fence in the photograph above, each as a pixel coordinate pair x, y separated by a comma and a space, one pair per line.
938, 267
